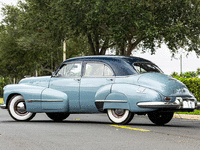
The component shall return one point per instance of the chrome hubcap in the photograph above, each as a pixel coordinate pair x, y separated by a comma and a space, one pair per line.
118, 112
20, 108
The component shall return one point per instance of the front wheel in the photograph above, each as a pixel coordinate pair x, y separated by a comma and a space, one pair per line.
57, 116
120, 116
160, 118
17, 109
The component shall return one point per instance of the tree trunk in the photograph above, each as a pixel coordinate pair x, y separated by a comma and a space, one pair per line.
131, 45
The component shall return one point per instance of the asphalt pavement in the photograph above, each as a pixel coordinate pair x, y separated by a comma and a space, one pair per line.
95, 131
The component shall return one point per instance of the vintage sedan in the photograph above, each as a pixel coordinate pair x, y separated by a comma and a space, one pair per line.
117, 85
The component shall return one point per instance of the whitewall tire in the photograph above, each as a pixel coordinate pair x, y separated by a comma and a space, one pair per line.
120, 116
17, 109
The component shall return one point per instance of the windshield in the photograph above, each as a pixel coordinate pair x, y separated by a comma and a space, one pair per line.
144, 67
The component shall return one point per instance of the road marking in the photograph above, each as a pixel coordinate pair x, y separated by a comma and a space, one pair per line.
124, 127
76, 119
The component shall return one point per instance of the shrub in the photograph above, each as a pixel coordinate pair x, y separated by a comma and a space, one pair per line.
3, 82
193, 84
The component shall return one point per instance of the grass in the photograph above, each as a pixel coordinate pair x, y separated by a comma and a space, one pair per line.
1, 100
196, 112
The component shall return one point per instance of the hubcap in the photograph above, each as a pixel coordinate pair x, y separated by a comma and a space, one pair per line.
20, 108
118, 112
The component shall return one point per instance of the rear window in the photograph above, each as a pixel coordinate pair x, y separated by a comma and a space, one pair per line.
144, 67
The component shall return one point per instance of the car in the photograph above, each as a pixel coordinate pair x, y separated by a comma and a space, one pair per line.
120, 86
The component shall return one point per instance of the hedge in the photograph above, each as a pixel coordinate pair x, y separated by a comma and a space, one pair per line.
193, 84
3, 82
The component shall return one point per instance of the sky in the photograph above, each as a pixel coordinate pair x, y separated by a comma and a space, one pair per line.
162, 57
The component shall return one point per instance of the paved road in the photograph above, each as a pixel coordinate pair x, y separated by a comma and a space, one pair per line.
95, 131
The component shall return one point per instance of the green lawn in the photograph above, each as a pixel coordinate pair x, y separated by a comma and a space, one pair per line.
1, 100
196, 112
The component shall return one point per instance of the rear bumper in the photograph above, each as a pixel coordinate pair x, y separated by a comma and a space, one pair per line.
3, 106
179, 105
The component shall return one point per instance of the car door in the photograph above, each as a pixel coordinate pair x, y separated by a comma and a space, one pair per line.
67, 80
95, 76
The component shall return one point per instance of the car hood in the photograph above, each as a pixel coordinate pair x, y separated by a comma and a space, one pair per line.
36, 81
164, 84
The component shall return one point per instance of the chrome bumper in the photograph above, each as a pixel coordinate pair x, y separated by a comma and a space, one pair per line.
179, 104
3, 106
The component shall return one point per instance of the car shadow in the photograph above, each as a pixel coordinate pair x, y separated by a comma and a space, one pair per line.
141, 125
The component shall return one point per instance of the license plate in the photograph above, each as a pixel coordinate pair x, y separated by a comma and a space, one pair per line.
188, 104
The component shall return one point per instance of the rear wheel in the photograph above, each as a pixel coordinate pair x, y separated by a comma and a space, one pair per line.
160, 118
57, 116
120, 116
17, 109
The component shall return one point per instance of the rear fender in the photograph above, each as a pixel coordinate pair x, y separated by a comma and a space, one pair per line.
113, 101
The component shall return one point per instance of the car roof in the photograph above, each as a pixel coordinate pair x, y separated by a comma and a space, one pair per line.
122, 65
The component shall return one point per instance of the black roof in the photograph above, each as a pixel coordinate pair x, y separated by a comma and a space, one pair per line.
122, 65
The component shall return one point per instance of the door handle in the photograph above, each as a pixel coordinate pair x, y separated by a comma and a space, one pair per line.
77, 80
110, 79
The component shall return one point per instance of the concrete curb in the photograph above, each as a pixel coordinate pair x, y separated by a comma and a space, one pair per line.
186, 116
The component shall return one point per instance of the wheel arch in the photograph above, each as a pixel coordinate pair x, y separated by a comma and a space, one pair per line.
10, 97
114, 100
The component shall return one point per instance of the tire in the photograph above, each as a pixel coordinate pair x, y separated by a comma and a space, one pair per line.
160, 118
120, 116
57, 116
17, 109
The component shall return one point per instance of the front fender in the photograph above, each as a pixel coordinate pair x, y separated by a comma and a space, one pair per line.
38, 99
27, 91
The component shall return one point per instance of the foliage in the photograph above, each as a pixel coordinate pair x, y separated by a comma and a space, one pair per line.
128, 24
3, 82
30, 43
32, 33
189, 74
193, 84
191, 80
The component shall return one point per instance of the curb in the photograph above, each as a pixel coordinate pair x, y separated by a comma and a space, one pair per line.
185, 116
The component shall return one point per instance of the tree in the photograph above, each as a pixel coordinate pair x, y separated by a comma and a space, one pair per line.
34, 30
29, 41
129, 24
13, 63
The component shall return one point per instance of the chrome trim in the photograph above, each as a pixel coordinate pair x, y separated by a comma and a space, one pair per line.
178, 104
198, 105
36, 100
158, 105
111, 101
3, 106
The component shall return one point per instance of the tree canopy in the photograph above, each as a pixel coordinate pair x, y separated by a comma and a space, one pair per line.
129, 24
32, 33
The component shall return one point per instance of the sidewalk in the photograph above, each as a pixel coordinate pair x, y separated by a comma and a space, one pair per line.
185, 116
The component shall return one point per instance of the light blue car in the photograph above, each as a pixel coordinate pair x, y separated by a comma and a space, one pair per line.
117, 85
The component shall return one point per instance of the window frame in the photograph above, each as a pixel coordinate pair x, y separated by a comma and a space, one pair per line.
74, 62
160, 71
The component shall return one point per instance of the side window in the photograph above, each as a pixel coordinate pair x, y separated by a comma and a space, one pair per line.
70, 70
97, 70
